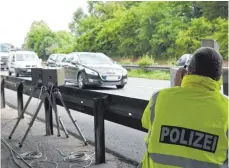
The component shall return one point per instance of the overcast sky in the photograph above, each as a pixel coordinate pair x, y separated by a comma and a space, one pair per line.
16, 16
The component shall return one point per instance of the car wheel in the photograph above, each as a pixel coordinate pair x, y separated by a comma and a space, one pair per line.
81, 81
9, 73
17, 74
120, 86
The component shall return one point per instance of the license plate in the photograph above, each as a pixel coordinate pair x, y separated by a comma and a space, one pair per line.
111, 78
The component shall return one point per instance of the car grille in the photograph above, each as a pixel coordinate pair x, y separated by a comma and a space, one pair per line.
110, 71
111, 78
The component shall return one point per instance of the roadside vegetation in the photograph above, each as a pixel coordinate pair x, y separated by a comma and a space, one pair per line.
147, 61
141, 33
161, 75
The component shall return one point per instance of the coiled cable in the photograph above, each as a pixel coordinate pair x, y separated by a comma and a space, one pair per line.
80, 159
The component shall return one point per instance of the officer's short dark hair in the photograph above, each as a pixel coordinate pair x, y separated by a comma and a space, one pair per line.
207, 62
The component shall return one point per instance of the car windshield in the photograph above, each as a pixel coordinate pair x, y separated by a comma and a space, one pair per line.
60, 58
52, 57
26, 57
4, 48
94, 58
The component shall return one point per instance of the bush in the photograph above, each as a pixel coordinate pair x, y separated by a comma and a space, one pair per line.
126, 60
172, 62
161, 75
145, 61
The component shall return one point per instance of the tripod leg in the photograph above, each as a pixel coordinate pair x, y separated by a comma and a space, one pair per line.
69, 113
22, 113
56, 114
33, 119
62, 125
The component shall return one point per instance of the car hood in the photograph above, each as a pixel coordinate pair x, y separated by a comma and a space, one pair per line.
104, 68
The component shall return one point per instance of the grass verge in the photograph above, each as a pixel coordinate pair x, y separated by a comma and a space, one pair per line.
149, 74
160, 75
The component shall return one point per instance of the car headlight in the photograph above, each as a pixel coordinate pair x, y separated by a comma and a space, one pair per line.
90, 72
124, 72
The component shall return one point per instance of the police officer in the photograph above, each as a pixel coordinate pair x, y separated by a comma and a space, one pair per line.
187, 124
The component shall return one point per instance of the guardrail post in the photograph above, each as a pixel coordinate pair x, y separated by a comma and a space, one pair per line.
20, 99
99, 109
3, 102
48, 117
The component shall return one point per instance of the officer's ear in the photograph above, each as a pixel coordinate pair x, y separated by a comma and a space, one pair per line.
189, 70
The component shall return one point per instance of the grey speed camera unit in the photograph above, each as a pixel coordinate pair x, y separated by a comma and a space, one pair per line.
36, 74
53, 76
210, 43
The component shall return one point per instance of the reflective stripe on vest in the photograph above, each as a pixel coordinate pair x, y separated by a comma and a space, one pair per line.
152, 115
181, 161
153, 106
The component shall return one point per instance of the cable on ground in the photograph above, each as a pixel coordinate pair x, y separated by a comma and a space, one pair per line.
31, 155
12, 150
81, 158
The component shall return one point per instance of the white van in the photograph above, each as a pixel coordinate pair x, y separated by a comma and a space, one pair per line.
21, 62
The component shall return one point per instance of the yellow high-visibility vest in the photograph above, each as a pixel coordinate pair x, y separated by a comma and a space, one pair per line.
187, 126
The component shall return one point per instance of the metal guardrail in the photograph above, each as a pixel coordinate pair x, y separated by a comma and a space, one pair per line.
134, 67
148, 68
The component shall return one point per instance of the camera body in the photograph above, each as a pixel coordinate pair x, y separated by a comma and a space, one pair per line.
48, 76
53, 76
36, 74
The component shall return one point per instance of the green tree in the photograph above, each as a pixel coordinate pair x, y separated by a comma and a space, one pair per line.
212, 9
220, 27
38, 32
163, 30
189, 39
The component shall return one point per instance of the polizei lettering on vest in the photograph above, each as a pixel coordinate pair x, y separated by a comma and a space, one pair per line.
189, 138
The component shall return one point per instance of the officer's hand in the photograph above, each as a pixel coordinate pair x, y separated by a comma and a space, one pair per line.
179, 76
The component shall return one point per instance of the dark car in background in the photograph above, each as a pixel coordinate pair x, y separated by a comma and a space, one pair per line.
55, 59
184, 60
93, 69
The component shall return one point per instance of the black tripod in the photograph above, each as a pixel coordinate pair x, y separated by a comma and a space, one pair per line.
54, 93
